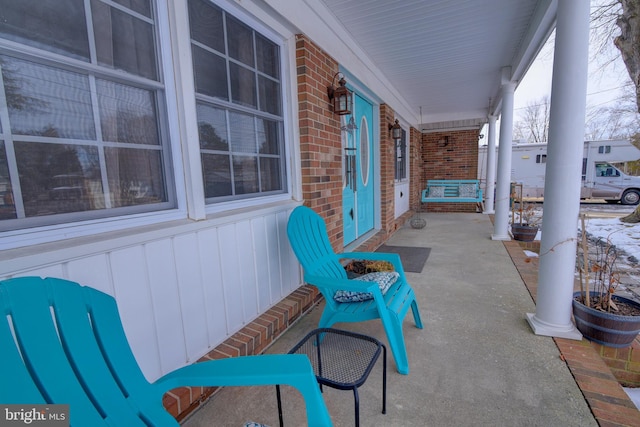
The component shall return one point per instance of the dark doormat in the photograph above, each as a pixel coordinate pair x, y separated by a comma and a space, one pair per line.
413, 258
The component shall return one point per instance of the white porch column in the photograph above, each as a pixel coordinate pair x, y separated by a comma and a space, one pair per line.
503, 185
563, 173
491, 167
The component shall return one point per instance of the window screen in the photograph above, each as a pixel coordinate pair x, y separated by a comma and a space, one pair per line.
239, 105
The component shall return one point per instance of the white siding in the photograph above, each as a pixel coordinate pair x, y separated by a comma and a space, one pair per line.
184, 289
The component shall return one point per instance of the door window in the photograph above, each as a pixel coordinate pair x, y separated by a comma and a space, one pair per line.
364, 150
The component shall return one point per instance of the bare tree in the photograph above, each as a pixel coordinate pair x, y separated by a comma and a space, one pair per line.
618, 122
602, 122
534, 123
536, 115
628, 43
519, 131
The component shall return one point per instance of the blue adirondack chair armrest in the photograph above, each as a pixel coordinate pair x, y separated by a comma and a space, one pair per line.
268, 369
394, 259
341, 284
238, 371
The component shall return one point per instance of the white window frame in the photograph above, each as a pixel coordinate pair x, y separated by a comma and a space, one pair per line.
50, 233
175, 65
287, 58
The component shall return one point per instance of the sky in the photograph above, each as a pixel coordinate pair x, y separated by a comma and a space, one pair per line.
605, 83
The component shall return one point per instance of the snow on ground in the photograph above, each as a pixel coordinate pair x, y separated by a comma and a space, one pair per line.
634, 395
600, 222
626, 238
623, 235
603, 221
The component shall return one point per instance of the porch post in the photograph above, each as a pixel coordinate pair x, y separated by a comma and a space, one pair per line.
563, 173
491, 167
503, 185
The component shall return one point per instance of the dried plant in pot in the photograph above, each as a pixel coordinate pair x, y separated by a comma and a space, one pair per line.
524, 225
599, 314
524, 218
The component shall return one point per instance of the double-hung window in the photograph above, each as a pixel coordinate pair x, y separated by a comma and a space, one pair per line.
239, 106
81, 117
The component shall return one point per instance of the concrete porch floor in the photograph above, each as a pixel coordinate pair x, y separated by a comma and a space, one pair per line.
475, 363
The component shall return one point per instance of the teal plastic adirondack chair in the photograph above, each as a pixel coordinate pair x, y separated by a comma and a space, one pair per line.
80, 356
308, 236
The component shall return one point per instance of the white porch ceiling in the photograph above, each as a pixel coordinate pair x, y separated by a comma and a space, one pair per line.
447, 57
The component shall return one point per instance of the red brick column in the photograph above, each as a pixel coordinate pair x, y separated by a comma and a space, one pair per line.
417, 182
387, 169
320, 139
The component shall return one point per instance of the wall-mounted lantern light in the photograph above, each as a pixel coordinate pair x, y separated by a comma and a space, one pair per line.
396, 130
444, 142
341, 97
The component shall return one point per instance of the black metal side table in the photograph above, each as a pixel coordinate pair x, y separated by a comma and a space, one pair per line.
342, 360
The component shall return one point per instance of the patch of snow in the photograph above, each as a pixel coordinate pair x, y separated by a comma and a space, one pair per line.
626, 239
603, 221
623, 235
634, 395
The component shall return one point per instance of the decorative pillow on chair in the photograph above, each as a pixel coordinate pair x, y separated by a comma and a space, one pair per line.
436, 192
467, 190
384, 278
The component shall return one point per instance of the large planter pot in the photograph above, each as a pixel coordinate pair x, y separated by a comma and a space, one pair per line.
611, 330
524, 232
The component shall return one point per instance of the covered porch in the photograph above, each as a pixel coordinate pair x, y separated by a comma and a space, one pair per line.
476, 361
440, 69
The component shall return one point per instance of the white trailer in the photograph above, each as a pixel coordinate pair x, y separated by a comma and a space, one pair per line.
603, 170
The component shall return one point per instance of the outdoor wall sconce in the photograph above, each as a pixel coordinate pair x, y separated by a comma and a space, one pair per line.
444, 142
396, 131
341, 97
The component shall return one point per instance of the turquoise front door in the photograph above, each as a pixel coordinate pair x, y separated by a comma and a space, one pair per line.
358, 193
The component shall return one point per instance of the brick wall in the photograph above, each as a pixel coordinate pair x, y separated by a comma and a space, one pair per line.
320, 139
450, 155
387, 169
623, 362
390, 224
533, 246
321, 148
417, 182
